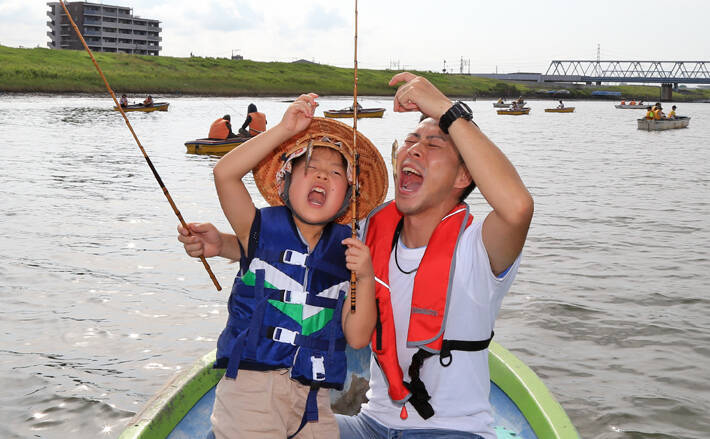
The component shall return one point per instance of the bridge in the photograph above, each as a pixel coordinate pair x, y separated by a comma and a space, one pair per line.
667, 73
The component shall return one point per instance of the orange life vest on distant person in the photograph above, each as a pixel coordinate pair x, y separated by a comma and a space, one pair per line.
429, 302
649, 114
257, 124
657, 114
219, 129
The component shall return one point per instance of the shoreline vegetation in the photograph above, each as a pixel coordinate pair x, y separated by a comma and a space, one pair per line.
41, 70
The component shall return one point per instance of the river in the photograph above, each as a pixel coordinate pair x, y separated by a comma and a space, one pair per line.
101, 306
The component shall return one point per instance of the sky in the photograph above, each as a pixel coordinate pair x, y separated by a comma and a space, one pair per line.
494, 35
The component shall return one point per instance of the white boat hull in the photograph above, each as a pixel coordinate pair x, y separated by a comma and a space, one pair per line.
663, 124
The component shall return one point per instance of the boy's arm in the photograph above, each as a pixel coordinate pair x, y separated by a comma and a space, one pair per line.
229, 171
358, 326
506, 227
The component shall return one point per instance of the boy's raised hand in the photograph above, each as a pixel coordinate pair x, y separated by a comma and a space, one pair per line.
358, 259
298, 115
205, 240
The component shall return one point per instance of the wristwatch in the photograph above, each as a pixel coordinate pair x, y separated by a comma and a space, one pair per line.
459, 109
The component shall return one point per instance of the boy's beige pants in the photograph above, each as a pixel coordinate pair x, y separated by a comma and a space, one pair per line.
268, 404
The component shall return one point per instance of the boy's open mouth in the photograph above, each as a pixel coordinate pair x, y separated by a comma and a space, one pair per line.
317, 196
410, 180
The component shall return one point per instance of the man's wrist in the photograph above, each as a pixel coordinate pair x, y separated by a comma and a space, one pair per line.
459, 110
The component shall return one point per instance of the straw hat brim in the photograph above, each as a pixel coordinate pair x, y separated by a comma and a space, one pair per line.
373, 177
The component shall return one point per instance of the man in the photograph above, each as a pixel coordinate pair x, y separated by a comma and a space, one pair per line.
221, 128
256, 121
123, 102
148, 102
431, 261
414, 247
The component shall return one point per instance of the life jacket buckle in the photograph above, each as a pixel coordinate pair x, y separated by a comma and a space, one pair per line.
318, 367
294, 258
296, 297
283, 335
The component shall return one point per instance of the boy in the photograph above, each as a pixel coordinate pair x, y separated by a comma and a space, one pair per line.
286, 310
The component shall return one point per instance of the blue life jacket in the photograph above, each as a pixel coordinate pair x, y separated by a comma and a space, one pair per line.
285, 305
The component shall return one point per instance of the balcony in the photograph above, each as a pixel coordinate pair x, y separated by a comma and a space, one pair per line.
92, 32
51, 14
91, 20
51, 24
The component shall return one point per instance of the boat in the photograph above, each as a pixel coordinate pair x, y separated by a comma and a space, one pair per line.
348, 113
516, 112
158, 106
641, 106
214, 147
523, 407
663, 124
560, 110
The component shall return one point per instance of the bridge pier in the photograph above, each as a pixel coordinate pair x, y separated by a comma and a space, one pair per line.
666, 92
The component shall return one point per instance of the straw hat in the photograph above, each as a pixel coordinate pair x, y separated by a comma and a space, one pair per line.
322, 132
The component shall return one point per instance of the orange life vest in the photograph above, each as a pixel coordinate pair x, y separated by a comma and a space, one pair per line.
649, 114
257, 124
657, 114
219, 129
430, 300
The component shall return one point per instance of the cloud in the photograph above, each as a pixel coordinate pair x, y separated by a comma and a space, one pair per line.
321, 19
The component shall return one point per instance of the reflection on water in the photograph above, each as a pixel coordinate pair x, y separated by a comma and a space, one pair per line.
101, 306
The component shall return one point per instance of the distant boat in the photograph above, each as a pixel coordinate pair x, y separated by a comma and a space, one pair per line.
158, 106
522, 406
663, 124
632, 106
214, 147
560, 110
348, 113
516, 112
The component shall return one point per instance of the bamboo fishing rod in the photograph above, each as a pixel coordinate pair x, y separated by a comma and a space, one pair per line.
145, 155
356, 180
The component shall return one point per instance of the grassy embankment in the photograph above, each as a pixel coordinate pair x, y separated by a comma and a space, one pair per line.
68, 71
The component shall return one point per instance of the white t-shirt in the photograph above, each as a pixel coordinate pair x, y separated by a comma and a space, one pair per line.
459, 392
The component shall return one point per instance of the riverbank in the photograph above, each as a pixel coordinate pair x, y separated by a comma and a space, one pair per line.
69, 71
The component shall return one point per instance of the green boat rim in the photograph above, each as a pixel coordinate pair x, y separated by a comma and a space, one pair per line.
545, 415
167, 408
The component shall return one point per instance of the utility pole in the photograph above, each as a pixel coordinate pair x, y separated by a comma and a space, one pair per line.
444, 69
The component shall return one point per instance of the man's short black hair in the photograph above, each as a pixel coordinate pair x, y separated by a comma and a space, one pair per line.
227, 117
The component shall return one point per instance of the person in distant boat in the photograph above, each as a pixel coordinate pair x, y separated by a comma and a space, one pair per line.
658, 112
649, 113
500, 101
514, 105
672, 114
123, 102
148, 102
623, 102
255, 120
640, 102
221, 128
562, 105
520, 100
288, 323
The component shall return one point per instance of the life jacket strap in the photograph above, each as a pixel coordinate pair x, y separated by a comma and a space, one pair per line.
310, 414
295, 297
420, 397
284, 335
293, 257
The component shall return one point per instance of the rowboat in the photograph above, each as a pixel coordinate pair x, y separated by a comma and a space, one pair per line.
214, 147
663, 124
631, 106
348, 113
522, 405
560, 110
158, 106
517, 112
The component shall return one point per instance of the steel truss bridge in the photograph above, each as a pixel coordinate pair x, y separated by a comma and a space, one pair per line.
598, 71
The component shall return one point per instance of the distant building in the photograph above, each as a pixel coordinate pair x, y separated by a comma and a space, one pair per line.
105, 28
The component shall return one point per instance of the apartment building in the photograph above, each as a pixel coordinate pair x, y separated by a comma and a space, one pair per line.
105, 28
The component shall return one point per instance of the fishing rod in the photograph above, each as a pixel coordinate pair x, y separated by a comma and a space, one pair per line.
356, 183
145, 155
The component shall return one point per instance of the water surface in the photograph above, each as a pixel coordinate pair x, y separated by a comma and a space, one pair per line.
101, 306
